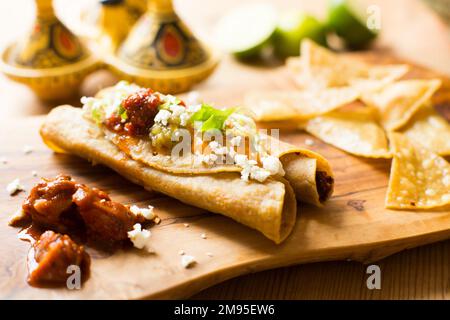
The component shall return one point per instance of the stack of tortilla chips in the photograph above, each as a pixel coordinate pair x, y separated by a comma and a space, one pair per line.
369, 111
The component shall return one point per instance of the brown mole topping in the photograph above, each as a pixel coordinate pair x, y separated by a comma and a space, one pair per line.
51, 255
65, 206
105, 220
50, 204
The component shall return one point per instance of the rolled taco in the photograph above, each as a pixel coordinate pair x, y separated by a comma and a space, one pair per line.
211, 158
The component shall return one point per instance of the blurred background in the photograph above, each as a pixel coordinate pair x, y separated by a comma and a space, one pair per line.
411, 29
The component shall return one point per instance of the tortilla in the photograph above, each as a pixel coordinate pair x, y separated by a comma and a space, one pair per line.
268, 207
419, 178
318, 68
354, 131
431, 129
287, 105
308, 173
399, 101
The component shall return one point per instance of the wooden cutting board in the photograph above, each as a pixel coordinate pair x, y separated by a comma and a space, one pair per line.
353, 225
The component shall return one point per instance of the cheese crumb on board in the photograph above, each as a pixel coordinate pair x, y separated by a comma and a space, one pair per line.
147, 213
203, 235
139, 237
27, 149
14, 186
187, 261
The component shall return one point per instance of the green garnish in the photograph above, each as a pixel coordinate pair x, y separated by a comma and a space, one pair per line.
170, 100
122, 113
212, 118
97, 115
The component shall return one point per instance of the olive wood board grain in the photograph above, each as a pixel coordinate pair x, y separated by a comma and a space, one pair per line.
353, 225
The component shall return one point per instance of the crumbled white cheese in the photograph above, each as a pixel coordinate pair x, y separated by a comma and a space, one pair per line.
14, 187
187, 261
184, 118
309, 142
203, 235
171, 99
241, 160
186, 225
193, 108
181, 252
139, 237
3, 160
34, 173
273, 165
27, 149
147, 213
251, 170
259, 174
245, 173
177, 110
162, 117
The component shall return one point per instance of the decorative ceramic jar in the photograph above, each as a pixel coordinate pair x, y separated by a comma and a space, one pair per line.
50, 59
161, 52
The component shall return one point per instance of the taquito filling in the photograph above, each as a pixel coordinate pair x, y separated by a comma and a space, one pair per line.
217, 137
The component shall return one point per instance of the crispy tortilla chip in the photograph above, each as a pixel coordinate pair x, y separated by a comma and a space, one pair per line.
431, 129
319, 68
419, 178
354, 131
287, 105
399, 101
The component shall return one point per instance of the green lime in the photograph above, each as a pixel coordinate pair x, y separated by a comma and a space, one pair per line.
348, 21
293, 28
247, 29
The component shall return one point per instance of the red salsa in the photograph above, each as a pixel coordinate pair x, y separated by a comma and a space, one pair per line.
141, 108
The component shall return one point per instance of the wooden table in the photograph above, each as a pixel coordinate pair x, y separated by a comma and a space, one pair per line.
409, 30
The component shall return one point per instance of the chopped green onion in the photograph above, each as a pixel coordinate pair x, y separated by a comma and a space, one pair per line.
212, 118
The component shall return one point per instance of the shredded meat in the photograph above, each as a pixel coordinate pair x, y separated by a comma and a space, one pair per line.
50, 204
324, 185
63, 205
51, 255
105, 220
